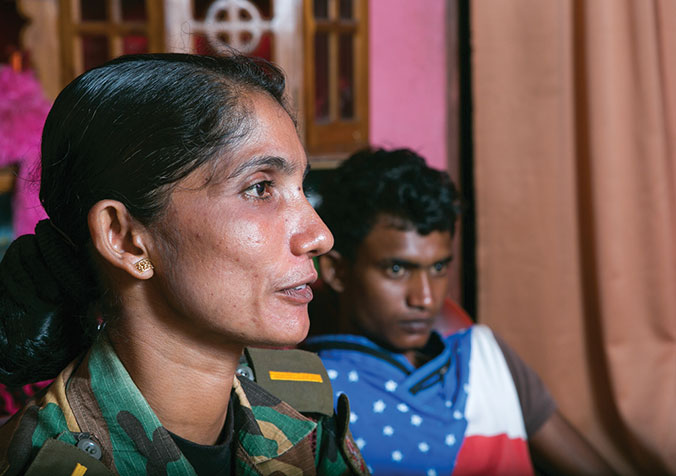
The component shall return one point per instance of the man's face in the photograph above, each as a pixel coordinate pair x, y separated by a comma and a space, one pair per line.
396, 285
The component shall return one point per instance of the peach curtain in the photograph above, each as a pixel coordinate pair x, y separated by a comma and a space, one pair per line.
575, 179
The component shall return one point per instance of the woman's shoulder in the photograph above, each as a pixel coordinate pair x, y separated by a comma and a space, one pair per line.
46, 417
290, 390
295, 376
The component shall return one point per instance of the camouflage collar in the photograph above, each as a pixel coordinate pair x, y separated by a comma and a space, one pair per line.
137, 439
132, 435
265, 426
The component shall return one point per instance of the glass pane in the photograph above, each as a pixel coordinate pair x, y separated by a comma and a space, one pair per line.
199, 9
93, 10
241, 38
346, 9
94, 51
244, 15
134, 44
321, 8
346, 76
222, 39
321, 76
265, 47
134, 10
264, 8
201, 45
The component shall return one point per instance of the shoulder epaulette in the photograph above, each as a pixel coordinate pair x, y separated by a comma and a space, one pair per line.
60, 458
295, 376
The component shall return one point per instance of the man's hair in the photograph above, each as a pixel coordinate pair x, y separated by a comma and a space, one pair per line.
397, 184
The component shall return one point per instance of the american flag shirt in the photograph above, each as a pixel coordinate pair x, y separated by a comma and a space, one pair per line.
459, 413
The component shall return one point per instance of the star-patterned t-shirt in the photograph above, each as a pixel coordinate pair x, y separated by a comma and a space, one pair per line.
467, 408
405, 420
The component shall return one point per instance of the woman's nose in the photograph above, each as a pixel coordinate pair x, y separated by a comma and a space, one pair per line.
312, 237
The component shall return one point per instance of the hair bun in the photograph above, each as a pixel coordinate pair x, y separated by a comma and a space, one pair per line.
62, 260
39, 333
25, 276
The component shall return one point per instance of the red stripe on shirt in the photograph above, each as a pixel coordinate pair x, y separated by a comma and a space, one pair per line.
494, 455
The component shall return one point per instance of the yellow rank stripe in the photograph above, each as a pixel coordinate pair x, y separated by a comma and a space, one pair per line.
295, 376
79, 470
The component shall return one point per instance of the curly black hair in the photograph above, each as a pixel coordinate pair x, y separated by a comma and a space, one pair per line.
396, 183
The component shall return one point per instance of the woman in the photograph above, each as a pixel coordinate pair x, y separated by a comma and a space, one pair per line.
178, 234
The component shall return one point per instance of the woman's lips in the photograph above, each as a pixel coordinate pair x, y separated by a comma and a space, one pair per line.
299, 294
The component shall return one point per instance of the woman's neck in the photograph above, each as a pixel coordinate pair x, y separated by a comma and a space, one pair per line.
186, 383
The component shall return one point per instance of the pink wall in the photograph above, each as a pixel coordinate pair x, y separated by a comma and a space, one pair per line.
407, 75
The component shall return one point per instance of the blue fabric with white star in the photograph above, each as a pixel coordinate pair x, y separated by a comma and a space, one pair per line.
405, 422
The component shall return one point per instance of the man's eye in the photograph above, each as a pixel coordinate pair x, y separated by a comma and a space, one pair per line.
396, 270
260, 190
440, 268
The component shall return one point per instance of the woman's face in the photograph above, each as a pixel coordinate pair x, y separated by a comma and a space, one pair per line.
233, 258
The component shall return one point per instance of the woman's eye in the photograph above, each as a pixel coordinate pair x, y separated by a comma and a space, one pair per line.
260, 190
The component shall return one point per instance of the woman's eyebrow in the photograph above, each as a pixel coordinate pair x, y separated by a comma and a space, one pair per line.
265, 162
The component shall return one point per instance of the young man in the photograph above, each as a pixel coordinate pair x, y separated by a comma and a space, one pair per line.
423, 404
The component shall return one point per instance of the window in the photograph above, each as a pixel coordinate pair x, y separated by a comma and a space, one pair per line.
267, 28
336, 84
320, 44
245, 25
94, 31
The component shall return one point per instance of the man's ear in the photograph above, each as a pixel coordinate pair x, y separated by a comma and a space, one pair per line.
333, 270
119, 239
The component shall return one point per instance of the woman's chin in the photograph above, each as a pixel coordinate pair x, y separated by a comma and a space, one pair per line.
287, 333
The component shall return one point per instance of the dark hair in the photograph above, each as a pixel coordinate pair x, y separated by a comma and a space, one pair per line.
127, 130
373, 183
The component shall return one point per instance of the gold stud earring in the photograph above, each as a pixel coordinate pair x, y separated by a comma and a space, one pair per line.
144, 265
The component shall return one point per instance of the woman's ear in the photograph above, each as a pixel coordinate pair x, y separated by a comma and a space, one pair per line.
119, 239
333, 270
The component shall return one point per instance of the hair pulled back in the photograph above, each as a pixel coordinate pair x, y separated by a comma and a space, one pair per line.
376, 182
127, 130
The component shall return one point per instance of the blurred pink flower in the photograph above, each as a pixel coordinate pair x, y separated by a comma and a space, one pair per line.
23, 109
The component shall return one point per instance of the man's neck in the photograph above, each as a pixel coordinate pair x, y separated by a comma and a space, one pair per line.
417, 357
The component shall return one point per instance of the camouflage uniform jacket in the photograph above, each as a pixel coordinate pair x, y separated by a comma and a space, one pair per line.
93, 405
